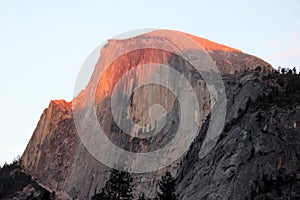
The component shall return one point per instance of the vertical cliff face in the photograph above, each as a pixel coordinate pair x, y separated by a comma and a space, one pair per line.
50, 151
55, 154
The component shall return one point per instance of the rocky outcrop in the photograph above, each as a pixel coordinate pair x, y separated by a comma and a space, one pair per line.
50, 151
230, 60
257, 155
57, 158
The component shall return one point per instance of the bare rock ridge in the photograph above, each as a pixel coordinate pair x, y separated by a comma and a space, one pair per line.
252, 152
50, 151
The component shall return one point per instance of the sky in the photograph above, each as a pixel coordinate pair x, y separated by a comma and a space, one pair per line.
44, 43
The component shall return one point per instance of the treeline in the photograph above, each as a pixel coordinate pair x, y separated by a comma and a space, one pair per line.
13, 180
287, 70
119, 187
279, 70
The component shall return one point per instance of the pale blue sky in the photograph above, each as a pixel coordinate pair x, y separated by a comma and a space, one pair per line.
43, 44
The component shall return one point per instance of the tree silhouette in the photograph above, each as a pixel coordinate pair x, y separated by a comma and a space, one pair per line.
258, 68
294, 70
142, 197
118, 187
167, 187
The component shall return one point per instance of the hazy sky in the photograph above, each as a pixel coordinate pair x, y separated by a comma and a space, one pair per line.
43, 45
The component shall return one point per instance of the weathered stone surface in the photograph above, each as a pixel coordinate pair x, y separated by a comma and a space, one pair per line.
257, 155
50, 151
57, 158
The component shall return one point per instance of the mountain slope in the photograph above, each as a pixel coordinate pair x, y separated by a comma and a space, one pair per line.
258, 153
58, 159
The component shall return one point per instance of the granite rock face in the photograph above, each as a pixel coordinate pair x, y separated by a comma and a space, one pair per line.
50, 151
257, 155
247, 159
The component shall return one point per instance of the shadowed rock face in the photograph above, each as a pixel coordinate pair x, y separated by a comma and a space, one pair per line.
257, 154
57, 158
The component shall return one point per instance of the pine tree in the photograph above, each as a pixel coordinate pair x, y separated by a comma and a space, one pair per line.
118, 187
167, 187
142, 197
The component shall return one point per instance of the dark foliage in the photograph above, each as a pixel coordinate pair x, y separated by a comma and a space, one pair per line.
142, 197
13, 179
167, 187
258, 68
118, 187
285, 91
